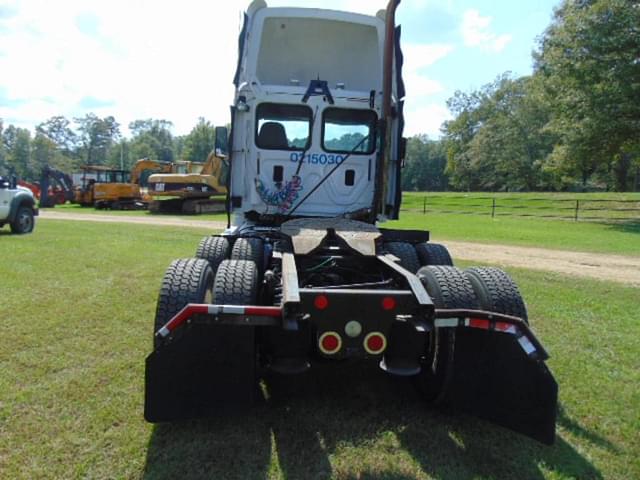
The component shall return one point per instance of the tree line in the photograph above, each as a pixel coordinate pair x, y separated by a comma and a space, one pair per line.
574, 124
66, 144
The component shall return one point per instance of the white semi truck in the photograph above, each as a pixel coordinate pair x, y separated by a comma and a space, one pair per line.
304, 272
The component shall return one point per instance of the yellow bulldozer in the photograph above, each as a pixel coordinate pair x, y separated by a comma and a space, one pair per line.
107, 188
191, 188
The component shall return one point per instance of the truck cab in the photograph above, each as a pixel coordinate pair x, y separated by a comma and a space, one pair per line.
307, 114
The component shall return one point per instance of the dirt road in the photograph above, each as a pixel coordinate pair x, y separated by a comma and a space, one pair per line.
140, 220
618, 268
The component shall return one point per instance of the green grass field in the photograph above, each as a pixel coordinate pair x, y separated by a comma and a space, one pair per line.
619, 238
555, 234
78, 301
583, 207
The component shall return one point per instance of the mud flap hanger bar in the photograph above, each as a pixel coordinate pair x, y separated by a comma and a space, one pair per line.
493, 322
444, 318
224, 314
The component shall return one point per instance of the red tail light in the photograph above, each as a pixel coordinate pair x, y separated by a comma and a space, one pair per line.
321, 302
388, 303
330, 343
375, 343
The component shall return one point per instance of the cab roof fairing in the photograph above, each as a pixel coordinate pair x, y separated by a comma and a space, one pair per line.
264, 68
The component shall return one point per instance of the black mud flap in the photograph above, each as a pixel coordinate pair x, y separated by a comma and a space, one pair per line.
494, 379
208, 369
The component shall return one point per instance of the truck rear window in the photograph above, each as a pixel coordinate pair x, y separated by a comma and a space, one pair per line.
344, 129
283, 127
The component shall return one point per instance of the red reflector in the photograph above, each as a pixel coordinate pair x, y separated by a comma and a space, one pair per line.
479, 323
375, 343
388, 303
330, 342
321, 302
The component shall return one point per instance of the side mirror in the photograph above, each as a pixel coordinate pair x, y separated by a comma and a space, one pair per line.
222, 142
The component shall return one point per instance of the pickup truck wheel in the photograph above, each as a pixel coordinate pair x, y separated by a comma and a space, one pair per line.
448, 288
433, 254
186, 281
214, 250
24, 222
406, 253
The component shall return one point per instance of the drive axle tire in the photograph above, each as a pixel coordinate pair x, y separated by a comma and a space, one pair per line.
236, 283
186, 281
214, 250
406, 253
23, 222
433, 254
448, 288
497, 292
249, 249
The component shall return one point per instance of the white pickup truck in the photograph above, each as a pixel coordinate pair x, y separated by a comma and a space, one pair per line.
17, 206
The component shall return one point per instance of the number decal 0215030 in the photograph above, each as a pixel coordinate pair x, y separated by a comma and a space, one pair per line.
317, 158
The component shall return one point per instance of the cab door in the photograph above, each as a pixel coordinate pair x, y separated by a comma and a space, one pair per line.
282, 133
349, 136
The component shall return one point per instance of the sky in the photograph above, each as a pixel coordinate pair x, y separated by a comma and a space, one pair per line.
175, 60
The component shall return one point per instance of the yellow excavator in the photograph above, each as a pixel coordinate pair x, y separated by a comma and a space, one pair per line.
145, 167
195, 188
104, 187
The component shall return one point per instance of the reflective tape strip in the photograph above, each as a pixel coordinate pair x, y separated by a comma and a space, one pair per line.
275, 312
506, 328
233, 309
477, 323
214, 309
163, 332
526, 345
446, 322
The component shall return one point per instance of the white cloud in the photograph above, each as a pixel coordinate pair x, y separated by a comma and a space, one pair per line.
420, 55
123, 58
421, 86
427, 119
476, 32
146, 63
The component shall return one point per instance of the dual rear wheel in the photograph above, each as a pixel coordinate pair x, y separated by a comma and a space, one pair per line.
484, 288
412, 257
219, 274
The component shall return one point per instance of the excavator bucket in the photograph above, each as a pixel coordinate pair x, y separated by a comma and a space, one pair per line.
495, 379
205, 369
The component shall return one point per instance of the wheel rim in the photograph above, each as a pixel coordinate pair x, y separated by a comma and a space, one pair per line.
25, 222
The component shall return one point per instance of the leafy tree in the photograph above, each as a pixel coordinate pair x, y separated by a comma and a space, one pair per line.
152, 139
588, 58
425, 165
120, 155
96, 137
58, 130
498, 140
200, 141
17, 145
